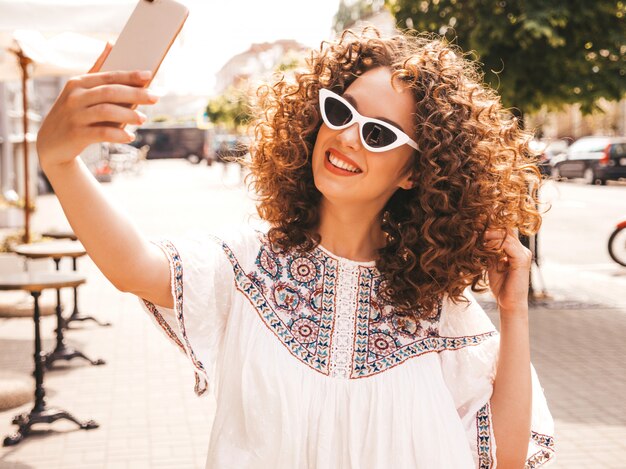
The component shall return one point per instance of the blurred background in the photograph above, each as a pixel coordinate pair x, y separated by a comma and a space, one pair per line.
560, 67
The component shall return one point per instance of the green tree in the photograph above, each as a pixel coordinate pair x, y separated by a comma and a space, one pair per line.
230, 110
534, 52
350, 12
290, 61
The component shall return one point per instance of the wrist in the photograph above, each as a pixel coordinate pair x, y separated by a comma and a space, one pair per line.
517, 315
513, 307
51, 169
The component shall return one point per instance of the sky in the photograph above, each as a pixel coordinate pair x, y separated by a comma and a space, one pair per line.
217, 30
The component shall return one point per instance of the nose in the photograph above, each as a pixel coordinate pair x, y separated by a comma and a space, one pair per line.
349, 137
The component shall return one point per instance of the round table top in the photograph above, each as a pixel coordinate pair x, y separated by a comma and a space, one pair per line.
51, 249
58, 234
38, 281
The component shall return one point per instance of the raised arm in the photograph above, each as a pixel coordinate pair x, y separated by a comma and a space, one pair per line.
88, 111
511, 401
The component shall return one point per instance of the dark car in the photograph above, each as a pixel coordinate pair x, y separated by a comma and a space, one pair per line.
188, 142
595, 159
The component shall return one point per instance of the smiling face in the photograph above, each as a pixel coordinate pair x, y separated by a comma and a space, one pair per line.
343, 169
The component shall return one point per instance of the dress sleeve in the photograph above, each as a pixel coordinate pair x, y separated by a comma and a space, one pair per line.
202, 283
470, 372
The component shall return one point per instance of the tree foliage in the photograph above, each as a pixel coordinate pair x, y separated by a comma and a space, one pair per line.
230, 109
290, 61
534, 52
349, 12
233, 108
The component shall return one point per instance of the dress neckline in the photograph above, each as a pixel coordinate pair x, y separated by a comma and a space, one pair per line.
345, 260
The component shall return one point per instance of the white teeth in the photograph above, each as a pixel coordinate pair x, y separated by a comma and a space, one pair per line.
342, 164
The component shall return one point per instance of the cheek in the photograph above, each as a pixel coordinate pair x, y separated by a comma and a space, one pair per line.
322, 135
393, 165
317, 157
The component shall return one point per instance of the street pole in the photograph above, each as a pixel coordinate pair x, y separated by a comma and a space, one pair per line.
24, 63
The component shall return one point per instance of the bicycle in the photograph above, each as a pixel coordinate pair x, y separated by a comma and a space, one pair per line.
617, 244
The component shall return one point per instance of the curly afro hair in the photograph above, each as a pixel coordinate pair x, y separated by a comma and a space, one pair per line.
474, 169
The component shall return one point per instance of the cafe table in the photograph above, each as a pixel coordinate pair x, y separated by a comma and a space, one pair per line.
57, 250
35, 283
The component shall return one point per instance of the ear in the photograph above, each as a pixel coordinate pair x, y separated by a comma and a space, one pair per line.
408, 179
407, 182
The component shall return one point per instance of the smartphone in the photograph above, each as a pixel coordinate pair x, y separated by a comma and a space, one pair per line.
147, 37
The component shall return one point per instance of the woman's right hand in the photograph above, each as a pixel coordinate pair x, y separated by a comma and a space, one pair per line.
89, 109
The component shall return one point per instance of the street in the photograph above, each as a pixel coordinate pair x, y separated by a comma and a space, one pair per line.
580, 222
574, 237
143, 397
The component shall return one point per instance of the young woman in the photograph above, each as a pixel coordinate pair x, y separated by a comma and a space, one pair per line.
345, 335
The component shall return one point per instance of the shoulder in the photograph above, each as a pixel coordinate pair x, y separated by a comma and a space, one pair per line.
464, 318
234, 243
240, 243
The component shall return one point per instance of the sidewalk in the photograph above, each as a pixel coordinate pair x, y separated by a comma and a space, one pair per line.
577, 349
143, 397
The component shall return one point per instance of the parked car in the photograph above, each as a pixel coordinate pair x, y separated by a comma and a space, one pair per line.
549, 149
595, 159
167, 141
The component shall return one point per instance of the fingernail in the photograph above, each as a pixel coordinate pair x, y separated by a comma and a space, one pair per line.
154, 95
145, 74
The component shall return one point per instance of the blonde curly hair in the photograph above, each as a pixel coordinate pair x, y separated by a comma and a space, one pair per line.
473, 169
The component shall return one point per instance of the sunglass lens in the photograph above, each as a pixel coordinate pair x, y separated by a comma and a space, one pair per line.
337, 113
378, 136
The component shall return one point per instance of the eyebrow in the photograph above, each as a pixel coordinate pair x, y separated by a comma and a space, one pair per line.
352, 101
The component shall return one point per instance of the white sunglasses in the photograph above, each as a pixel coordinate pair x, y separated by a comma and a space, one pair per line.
376, 135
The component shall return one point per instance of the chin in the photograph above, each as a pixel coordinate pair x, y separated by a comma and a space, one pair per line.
336, 189
337, 193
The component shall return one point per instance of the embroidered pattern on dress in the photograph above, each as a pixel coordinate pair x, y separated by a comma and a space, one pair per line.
344, 332
164, 325
342, 343
484, 445
545, 453
176, 272
483, 431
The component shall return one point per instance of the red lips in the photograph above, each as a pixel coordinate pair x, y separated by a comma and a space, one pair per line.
343, 157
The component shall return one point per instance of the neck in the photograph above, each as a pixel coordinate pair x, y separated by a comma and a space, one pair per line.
351, 232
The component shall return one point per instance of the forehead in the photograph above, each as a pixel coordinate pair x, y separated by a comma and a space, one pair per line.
375, 97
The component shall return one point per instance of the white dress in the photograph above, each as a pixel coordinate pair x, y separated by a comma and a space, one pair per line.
310, 370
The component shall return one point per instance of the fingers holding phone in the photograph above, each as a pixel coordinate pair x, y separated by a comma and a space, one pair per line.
110, 98
96, 107
92, 108
125, 89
